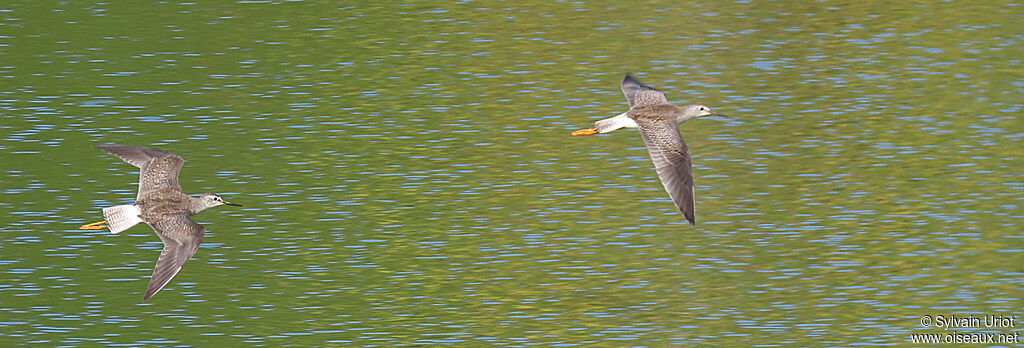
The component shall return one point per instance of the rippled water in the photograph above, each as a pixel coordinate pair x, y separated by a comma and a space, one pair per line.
408, 178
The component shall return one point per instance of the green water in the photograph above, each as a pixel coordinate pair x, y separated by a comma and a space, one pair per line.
408, 179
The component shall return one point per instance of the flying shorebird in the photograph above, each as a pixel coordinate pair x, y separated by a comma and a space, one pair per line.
163, 206
659, 123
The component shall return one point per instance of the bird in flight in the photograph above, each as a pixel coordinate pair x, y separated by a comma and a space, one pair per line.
162, 205
659, 122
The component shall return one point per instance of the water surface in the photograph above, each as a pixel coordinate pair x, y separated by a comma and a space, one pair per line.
408, 178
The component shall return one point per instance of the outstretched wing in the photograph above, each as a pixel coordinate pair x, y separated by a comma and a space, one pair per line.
158, 169
137, 156
672, 160
181, 237
640, 94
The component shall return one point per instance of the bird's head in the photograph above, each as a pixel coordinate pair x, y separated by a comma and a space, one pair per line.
698, 110
213, 200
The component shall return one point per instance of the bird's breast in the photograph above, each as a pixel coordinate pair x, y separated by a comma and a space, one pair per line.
654, 113
157, 206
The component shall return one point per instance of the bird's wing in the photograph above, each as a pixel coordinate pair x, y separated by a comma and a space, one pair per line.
672, 160
181, 237
157, 168
640, 94
160, 173
135, 155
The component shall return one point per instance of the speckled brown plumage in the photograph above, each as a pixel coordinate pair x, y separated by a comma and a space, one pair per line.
166, 208
658, 122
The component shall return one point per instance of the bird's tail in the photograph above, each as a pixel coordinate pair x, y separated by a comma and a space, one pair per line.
121, 217
614, 123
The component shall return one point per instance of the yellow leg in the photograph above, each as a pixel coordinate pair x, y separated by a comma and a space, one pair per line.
588, 131
95, 225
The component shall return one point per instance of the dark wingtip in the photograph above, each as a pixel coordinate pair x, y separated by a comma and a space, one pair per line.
150, 293
632, 80
689, 217
107, 147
